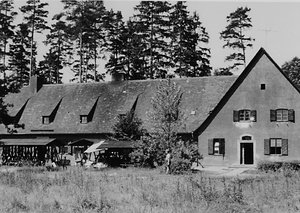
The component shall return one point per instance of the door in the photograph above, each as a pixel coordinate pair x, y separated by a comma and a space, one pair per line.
246, 151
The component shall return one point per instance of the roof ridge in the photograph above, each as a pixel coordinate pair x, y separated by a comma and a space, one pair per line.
141, 80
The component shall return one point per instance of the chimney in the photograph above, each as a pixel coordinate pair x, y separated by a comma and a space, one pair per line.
35, 83
117, 76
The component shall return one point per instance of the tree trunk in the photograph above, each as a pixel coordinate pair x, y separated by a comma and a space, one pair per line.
32, 34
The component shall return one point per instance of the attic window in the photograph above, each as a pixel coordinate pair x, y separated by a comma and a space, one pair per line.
263, 86
83, 119
46, 119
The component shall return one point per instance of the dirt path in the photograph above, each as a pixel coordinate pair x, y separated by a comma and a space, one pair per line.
225, 171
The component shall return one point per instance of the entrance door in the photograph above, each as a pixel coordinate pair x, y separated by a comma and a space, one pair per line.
246, 151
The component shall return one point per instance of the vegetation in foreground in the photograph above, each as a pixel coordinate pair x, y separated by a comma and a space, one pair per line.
141, 190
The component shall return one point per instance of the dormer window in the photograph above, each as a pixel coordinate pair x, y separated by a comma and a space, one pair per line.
83, 119
46, 119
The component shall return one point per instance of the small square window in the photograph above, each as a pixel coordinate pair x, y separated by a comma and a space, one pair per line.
263, 86
46, 119
83, 119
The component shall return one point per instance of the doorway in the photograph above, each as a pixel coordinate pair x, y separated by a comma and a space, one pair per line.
246, 153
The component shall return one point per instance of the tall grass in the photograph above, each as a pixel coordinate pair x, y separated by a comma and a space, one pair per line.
141, 190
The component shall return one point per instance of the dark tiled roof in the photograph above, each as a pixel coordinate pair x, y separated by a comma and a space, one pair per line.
200, 96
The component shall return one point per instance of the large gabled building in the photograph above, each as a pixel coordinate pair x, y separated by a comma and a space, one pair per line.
236, 120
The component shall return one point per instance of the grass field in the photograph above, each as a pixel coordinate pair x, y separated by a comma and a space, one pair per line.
142, 190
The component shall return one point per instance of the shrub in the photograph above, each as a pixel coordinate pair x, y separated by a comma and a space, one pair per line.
267, 166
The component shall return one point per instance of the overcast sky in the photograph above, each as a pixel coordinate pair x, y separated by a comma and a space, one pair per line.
275, 25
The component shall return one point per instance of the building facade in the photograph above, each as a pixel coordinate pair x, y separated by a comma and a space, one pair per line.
256, 120
235, 120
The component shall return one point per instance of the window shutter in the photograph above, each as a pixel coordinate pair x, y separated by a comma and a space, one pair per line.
284, 148
291, 115
266, 146
272, 115
222, 146
235, 116
210, 146
253, 115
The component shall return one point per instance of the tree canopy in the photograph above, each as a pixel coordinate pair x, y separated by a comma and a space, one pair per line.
292, 70
235, 36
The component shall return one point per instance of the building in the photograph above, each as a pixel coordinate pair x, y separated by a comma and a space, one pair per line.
236, 120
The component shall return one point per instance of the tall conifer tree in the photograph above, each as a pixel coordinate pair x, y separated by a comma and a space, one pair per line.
235, 36
189, 54
7, 16
85, 22
19, 60
153, 24
35, 17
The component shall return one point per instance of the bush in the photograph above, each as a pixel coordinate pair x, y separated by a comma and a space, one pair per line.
180, 165
269, 166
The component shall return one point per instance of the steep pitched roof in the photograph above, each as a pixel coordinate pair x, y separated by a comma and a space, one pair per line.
237, 83
200, 96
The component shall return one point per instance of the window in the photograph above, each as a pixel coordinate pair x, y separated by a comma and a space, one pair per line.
244, 115
83, 119
216, 146
45, 119
247, 138
262, 86
276, 146
282, 115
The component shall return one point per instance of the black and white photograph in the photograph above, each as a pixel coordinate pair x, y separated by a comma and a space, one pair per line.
127, 106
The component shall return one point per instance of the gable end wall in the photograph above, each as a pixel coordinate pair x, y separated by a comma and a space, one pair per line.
279, 93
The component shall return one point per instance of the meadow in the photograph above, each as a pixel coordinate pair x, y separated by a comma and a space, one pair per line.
143, 190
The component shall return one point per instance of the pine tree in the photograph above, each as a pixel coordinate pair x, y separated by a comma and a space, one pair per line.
35, 18
7, 16
49, 68
59, 49
234, 36
117, 39
85, 21
19, 60
190, 56
152, 24
200, 53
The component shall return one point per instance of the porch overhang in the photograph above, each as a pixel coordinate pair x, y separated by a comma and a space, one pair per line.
30, 142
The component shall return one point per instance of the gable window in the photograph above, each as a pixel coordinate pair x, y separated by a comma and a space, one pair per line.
46, 119
276, 146
244, 115
216, 146
282, 115
262, 86
83, 119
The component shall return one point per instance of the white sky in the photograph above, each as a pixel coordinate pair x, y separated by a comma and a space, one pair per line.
275, 25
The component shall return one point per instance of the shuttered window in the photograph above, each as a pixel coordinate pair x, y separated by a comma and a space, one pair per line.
282, 115
216, 146
244, 115
276, 146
